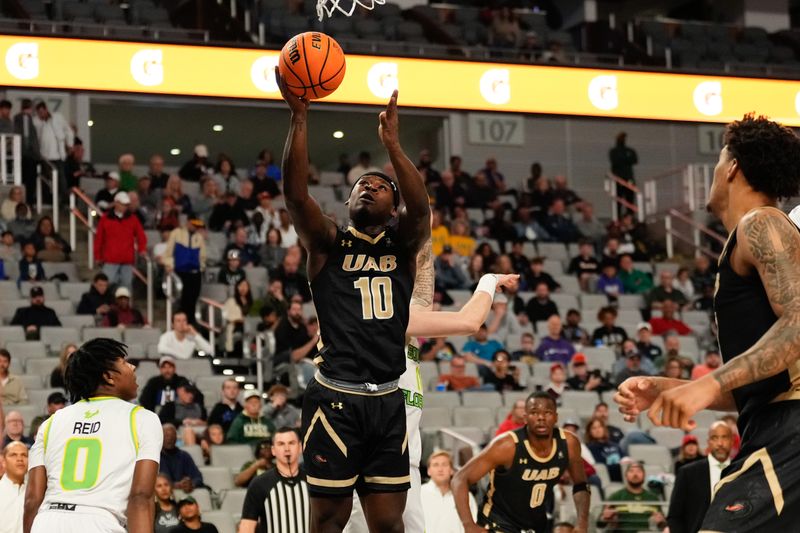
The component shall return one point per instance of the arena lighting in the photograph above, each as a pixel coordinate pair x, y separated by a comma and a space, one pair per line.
175, 151
227, 372
217, 127
215, 361
249, 386
239, 379
156, 68
90, 123
338, 134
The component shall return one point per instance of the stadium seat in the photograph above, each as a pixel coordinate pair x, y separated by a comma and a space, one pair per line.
219, 292
442, 399
26, 349
73, 290
436, 417
68, 269
146, 370
428, 371
669, 437
583, 402
591, 303
50, 290
57, 337
220, 478
652, 454
509, 397
489, 399
259, 279
39, 396
41, 367
31, 382
196, 453
194, 368
565, 302
61, 307
144, 336
11, 334
553, 251
231, 456
76, 321
9, 290
233, 500
223, 521
93, 333
601, 357
481, 417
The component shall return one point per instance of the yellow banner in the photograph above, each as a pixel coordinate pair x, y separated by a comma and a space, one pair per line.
247, 73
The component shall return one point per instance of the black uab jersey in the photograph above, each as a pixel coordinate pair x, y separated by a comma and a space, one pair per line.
362, 296
518, 497
743, 314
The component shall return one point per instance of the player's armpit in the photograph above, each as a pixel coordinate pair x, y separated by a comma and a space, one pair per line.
769, 242
34, 495
140, 502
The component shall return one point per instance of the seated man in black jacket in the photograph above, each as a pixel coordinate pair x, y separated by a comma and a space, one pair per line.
161, 389
98, 300
35, 316
185, 412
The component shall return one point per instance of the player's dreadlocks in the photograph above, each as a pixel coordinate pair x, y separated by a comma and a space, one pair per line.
86, 368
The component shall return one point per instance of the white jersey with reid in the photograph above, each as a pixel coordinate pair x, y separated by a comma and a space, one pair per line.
412, 387
90, 450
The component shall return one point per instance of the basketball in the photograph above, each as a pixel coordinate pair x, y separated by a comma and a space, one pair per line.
312, 64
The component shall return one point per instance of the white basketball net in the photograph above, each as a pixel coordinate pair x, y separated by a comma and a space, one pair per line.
328, 7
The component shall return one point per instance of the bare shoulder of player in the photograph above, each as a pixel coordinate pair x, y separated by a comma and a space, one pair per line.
503, 447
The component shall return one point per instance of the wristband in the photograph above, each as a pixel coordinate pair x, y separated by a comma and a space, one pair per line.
487, 284
580, 487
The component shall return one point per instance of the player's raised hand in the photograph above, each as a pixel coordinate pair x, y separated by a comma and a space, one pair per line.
509, 281
676, 407
388, 124
636, 395
299, 106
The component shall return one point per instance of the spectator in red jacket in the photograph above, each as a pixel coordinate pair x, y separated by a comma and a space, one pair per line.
668, 322
514, 420
119, 236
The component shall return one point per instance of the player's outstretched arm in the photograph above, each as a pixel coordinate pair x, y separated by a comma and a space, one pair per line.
316, 231
580, 489
141, 512
34, 495
415, 217
500, 452
466, 320
636, 395
770, 244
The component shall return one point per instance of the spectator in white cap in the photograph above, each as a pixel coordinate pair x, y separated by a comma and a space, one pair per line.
122, 314
250, 426
198, 166
105, 196
119, 237
161, 389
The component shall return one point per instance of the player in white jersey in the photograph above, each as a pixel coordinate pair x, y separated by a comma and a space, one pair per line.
424, 322
93, 466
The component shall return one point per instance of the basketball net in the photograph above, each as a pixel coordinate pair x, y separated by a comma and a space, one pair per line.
328, 7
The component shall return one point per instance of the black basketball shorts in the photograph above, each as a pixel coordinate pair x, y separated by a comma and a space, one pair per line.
353, 440
760, 490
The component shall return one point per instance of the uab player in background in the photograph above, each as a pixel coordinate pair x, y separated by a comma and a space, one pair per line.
94, 464
524, 465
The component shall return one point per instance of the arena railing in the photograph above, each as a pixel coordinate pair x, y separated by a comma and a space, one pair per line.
10, 159
611, 183
113, 31
48, 176
697, 229
210, 324
87, 219
463, 440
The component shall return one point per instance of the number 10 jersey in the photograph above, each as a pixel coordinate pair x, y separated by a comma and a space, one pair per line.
362, 296
90, 450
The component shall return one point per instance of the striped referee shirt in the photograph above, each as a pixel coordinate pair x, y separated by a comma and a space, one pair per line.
279, 504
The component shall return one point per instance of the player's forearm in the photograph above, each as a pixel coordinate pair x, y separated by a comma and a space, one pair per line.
295, 162
460, 487
247, 526
424, 281
582, 503
777, 350
140, 514
410, 182
299, 353
31, 508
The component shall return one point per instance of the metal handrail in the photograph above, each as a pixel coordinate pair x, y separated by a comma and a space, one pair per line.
616, 201
212, 329
702, 227
697, 227
53, 184
475, 446
16, 158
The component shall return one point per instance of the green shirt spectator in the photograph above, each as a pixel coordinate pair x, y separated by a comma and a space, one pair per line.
633, 281
249, 426
634, 513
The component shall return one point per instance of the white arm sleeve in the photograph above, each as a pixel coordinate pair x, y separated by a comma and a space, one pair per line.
36, 453
150, 436
201, 344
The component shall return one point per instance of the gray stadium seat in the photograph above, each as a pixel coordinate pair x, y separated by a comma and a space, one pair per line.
480, 417
218, 292
600, 357
583, 402
146, 370
76, 321
489, 399
565, 302
41, 367
593, 302
39, 396
219, 478
202, 495
11, 334
194, 368
196, 452
57, 337
232, 501
50, 290
68, 269
27, 349
428, 371
9, 290
436, 417
144, 336
231, 456
93, 333
651, 454
553, 250
61, 307
73, 290
442, 399
669, 437
31, 382
509, 397
223, 520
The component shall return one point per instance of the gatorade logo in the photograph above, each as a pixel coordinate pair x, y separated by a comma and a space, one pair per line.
147, 68
495, 86
22, 60
262, 73
708, 98
382, 79
603, 92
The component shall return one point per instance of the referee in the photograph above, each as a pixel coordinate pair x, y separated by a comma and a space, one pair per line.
277, 500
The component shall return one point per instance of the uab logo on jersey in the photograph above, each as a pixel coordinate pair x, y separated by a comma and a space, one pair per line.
534, 474
363, 262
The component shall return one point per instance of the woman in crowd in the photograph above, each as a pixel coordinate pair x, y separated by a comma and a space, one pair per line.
57, 376
683, 282
225, 176
214, 435
673, 368
50, 246
689, 452
489, 256
475, 269
166, 514
603, 449
174, 190
273, 252
9, 206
